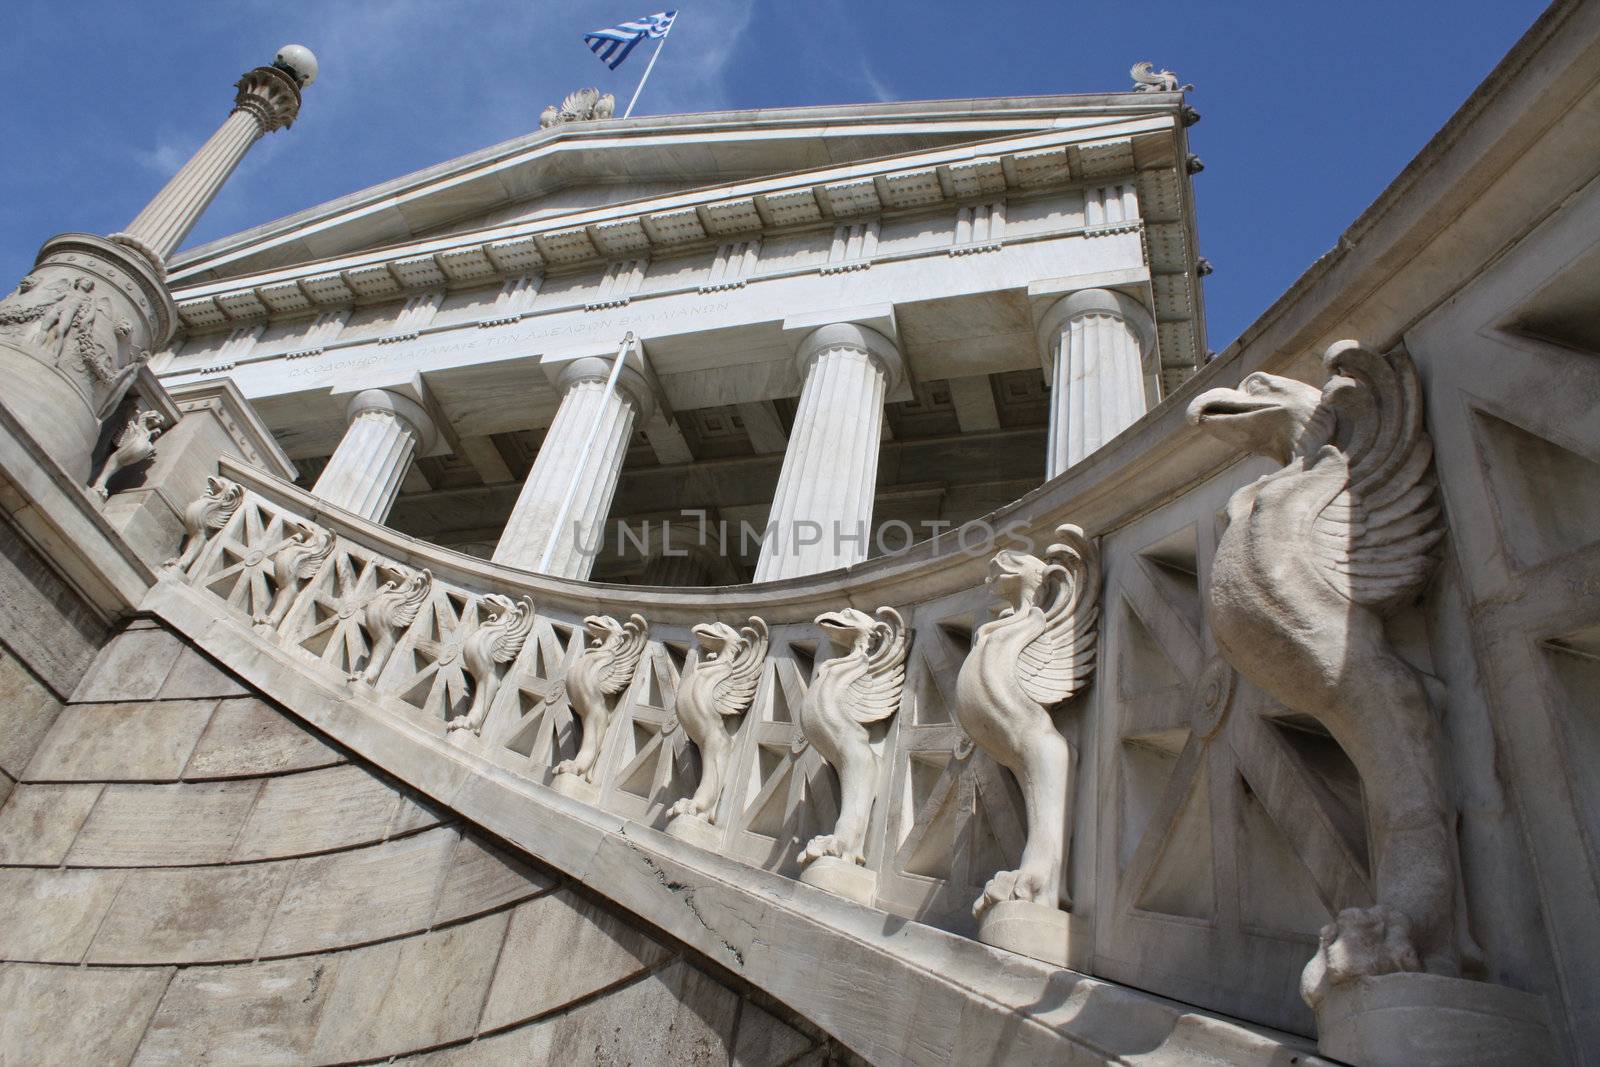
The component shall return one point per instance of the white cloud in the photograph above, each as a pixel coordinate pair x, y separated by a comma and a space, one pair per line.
165, 157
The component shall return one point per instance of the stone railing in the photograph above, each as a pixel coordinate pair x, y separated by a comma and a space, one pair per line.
1188, 754
493, 666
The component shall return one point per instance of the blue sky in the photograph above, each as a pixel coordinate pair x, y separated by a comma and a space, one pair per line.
1309, 109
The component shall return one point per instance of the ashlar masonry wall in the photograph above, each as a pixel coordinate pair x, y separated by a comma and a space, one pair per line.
187, 874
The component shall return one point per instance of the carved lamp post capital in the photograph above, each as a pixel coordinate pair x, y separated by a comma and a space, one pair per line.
267, 99
270, 95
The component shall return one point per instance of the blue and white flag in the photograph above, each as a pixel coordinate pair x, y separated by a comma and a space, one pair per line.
614, 44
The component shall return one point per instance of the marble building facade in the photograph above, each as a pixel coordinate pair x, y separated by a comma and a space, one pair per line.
795, 587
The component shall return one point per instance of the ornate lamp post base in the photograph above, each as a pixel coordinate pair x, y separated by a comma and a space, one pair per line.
72, 335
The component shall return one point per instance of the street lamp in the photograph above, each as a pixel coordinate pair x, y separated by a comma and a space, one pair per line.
77, 328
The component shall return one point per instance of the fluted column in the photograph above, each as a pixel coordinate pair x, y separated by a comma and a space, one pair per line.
1096, 343
821, 515
268, 99
580, 460
386, 432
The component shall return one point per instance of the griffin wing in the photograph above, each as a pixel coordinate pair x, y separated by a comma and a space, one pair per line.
1374, 540
875, 695
626, 657
734, 692
1058, 662
515, 623
317, 546
413, 593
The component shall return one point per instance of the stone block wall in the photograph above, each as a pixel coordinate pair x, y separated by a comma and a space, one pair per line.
187, 874
48, 638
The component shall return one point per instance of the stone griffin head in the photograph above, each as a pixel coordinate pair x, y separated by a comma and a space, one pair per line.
738, 654
604, 632
1363, 431
1266, 416
1020, 580
715, 639
859, 632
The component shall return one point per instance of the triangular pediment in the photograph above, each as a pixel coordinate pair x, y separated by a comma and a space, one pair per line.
584, 166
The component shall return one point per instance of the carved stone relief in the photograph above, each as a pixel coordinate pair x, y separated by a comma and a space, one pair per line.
393, 608
1314, 556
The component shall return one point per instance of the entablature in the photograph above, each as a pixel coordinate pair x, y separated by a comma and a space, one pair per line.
706, 220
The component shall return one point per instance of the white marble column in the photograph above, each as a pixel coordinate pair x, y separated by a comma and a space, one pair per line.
268, 99
1096, 343
386, 432
584, 448
821, 515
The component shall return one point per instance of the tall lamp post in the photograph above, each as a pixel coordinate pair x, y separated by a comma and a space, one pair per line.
77, 328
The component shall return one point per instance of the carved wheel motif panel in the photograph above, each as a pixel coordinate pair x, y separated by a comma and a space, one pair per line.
1230, 832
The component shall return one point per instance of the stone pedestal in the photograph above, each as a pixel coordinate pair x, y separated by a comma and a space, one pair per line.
821, 514
577, 787
696, 831
1029, 929
580, 459
841, 878
386, 432
1097, 344
1427, 1020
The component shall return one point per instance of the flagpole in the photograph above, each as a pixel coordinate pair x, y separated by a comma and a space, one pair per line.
648, 68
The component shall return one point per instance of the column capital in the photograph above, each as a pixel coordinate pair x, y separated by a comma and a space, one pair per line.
270, 95
855, 337
1097, 302
403, 408
631, 385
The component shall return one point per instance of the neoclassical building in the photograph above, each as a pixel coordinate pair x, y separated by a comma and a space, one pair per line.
796, 587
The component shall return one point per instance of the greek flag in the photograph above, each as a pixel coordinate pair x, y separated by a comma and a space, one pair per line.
614, 44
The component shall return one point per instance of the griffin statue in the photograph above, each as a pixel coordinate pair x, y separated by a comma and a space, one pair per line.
496, 642
1036, 654
604, 670
1315, 555
850, 693
296, 563
718, 688
392, 609
209, 513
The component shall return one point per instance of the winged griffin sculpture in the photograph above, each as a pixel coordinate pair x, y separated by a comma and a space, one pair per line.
209, 513
717, 689
1314, 556
296, 563
604, 670
1037, 653
391, 610
1146, 79
135, 444
495, 643
850, 693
